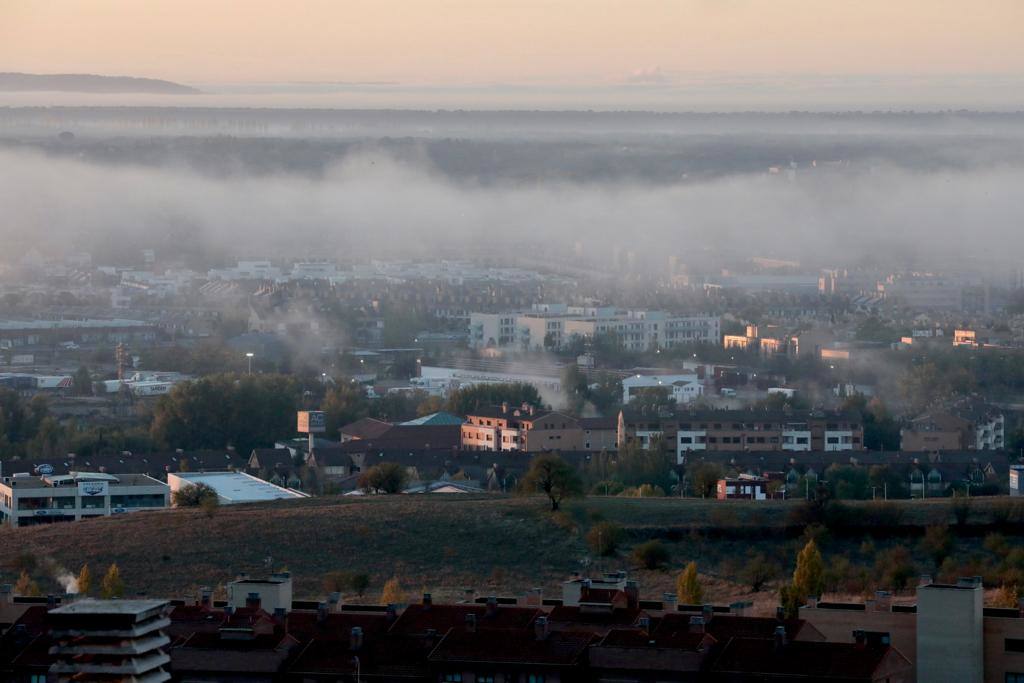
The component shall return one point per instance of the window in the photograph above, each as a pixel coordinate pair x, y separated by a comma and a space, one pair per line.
535, 678
453, 678
1014, 645
484, 678
1014, 677
833, 439
686, 439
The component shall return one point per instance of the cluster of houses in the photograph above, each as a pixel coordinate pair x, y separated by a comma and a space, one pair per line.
596, 630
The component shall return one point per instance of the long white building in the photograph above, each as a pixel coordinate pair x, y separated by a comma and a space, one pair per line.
557, 325
26, 500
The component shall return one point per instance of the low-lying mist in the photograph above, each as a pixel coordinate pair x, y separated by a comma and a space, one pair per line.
372, 205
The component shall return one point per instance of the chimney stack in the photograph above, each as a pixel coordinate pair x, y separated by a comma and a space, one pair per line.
492, 606
252, 600
780, 638
540, 628
428, 600
926, 580
780, 613
707, 611
6, 594
51, 601
632, 594
321, 612
697, 624
669, 602
355, 642
468, 595
334, 601
391, 613
206, 597
471, 622
860, 638
645, 624
883, 601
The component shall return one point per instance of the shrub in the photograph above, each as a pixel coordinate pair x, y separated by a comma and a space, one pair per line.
651, 555
603, 538
608, 487
937, 543
112, 586
758, 571
194, 495
894, 568
392, 593
386, 477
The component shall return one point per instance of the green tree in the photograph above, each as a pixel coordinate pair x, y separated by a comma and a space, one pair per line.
553, 476
385, 477
704, 478
193, 495
221, 410
463, 401
112, 586
688, 586
82, 382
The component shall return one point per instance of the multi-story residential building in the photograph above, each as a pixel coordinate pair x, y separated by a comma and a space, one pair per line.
966, 426
505, 428
744, 430
681, 388
557, 325
948, 635
756, 339
28, 500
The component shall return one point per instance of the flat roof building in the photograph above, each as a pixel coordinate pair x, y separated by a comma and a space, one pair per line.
233, 487
27, 500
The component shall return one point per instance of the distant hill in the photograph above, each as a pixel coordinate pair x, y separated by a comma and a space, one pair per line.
17, 82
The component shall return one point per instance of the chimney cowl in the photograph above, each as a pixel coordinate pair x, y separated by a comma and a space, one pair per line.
540, 628
780, 638
471, 622
697, 624
356, 639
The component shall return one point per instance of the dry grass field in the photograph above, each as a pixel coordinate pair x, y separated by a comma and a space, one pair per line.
443, 544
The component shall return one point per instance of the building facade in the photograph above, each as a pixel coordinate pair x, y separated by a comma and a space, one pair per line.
29, 500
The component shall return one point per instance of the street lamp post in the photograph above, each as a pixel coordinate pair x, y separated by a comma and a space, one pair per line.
248, 356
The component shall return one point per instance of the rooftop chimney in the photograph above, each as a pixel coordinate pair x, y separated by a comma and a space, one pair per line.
540, 628
279, 614
471, 622
780, 613
252, 600
321, 612
632, 592
707, 611
926, 580
51, 601
669, 601
504, 406
6, 596
780, 638
644, 623
428, 600
860, 638
206, 597
492, 606
883, 601
355, 641
391, 613
468, 595
697, 624
334, 601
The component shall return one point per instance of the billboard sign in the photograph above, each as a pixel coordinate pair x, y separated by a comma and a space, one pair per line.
92, 489
312, 422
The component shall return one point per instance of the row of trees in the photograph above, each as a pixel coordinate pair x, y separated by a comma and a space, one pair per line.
111, 586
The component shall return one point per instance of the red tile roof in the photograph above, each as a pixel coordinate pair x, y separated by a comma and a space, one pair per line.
419, 618
512, 646
810, 660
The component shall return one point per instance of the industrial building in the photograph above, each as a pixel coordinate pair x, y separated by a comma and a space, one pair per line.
233, 487
27, 500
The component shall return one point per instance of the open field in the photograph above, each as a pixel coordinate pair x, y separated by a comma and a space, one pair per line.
443, 544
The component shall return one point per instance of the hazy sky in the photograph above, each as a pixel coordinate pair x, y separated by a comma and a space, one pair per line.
458, 42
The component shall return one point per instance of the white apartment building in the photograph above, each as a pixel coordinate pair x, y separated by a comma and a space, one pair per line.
556, 325
682, 388
27, 500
